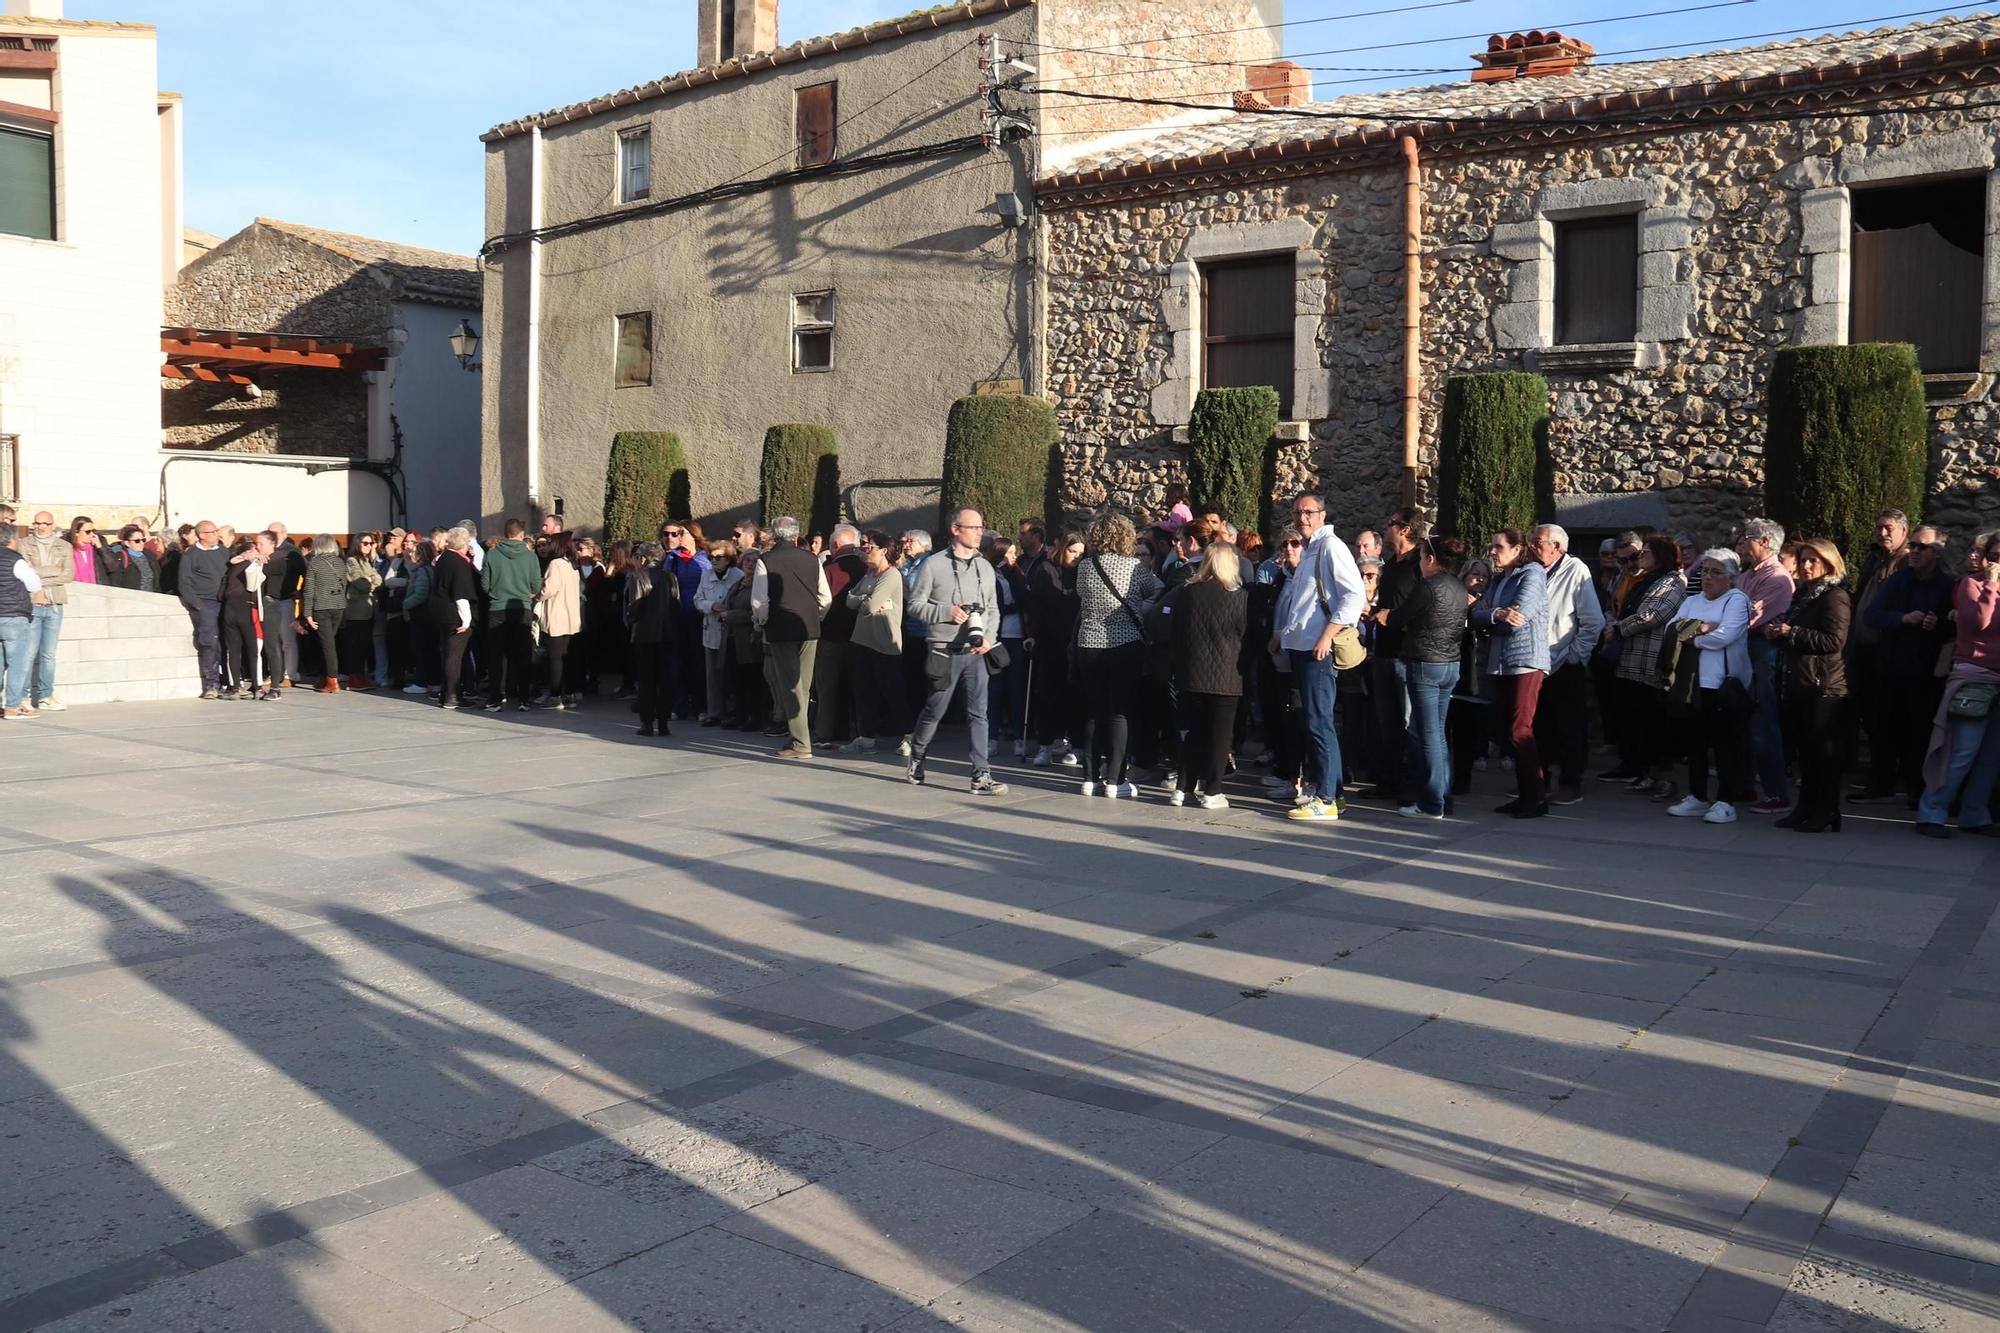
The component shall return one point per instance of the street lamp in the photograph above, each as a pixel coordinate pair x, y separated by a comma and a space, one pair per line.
465, 344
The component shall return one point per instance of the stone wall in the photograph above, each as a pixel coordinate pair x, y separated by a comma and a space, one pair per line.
322, 413
1683, 421
264, 281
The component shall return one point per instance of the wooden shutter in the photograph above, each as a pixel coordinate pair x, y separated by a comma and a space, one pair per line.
1919, 255
816, 124
1248, 309
27, 184
1597, 280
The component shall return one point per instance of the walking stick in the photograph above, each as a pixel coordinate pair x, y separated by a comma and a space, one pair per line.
1027, 702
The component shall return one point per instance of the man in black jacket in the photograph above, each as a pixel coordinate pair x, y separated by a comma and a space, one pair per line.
203, 567
453, 604
788, 595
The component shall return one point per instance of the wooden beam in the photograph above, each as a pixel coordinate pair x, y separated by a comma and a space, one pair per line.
196, 350
37, 60
173, 372
20, 112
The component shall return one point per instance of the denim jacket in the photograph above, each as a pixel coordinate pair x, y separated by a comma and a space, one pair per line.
1515, 651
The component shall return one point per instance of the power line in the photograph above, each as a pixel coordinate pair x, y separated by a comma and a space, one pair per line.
1437, 41
1595, 63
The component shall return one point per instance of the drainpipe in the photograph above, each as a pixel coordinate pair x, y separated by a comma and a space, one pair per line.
1413, 369
534, 357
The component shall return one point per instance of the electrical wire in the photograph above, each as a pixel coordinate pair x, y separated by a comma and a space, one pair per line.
736, 189
1596, 62
1176, 62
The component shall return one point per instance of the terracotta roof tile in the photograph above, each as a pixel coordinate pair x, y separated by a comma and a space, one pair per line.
1356, 112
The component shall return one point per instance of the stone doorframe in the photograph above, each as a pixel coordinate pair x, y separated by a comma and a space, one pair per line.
1526, 320
1826, 217
1180, 307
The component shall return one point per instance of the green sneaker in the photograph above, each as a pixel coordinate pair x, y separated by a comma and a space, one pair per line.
1319, 811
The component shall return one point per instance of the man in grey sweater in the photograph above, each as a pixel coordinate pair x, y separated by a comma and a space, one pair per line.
955, 597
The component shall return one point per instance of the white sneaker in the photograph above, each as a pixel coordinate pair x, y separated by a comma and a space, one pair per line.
1068, 759
1020, 748
51, 705
1207, 802
1303, 798
1041, 759
415, 689
1124, 789
1170, 779
1093, 788
903, 747
1722, 812
1691, 807
1176, 797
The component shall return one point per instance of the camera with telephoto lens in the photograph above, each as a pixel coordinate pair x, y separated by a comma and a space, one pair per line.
975, 624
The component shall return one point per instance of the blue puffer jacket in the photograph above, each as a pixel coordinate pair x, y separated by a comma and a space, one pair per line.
1516, 650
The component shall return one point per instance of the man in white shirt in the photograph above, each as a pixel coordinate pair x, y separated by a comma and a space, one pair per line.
20, 592
1576, 622
1323, 598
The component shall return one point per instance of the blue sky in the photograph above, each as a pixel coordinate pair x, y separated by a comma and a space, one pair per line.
364, 116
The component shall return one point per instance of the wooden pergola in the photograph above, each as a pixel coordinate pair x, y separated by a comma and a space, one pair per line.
226, 356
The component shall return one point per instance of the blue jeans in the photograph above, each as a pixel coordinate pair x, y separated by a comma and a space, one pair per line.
45, 636
16, 634
1767, 731
1319, 695
1971, 769
1430, 685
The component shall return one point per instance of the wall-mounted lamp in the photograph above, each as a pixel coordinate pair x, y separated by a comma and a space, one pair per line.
464, 342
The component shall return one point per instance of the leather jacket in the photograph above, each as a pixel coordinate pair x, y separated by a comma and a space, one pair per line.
1430, 621
1819, 619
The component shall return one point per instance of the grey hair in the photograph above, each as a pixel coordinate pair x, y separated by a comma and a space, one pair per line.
1943, 537
1723, 556
471, 525
844, 534
1985, 540
1894, 516
458, 539
324, 544
1230, 532
1765, 530
920, 537
8, 532
786, 529
1557, 533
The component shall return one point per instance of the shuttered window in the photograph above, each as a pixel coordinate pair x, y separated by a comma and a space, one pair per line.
1597, 280
1248, 307
816, 124
634, 365
1919, 259
27, 184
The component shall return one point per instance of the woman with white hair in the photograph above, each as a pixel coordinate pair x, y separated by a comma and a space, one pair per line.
1721, 723
1211, 612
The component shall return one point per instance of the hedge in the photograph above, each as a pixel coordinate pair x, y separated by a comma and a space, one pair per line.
801, 476
1493, 469
1001, 458
1849, 437
645, 483
1229, 452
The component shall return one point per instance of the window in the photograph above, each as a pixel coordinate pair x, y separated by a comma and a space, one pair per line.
1597, 281
10, 468
812, 331
635, 351
1919, 262
816, 108
635, 164
27, 184
1248, 310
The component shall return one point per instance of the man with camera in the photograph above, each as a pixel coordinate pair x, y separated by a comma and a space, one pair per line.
954, 595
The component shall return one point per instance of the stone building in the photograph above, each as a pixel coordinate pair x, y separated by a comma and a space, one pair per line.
1645, 234
835, 231
90, 234
287, 346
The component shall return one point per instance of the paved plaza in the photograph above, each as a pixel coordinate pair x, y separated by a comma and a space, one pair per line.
352, 1014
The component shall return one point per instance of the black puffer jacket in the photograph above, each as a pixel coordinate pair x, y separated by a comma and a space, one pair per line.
1819, 621
1430, 622
1208, 621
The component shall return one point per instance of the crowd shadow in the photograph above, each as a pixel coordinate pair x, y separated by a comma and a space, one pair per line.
461, 1058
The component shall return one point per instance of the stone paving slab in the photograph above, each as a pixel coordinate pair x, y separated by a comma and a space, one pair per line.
587, 1033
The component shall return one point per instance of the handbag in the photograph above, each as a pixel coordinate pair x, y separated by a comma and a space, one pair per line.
1972, 702
1146, 630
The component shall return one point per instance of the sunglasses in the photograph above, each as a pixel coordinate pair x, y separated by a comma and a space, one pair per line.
1926, 546
1293, 541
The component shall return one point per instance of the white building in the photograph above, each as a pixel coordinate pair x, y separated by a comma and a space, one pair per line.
90, 233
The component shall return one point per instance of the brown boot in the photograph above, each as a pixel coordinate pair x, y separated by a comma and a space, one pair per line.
331, 685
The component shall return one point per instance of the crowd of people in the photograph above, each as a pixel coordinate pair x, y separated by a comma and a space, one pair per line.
1733, 679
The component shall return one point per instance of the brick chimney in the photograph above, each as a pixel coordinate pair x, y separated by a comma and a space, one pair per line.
1530, 55
1280, 83
732, 28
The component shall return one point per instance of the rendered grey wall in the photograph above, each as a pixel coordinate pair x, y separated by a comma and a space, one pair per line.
437, 407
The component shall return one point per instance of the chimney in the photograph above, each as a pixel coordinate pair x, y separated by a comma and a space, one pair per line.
1530, 55
1280, 83
34, 9
732, 28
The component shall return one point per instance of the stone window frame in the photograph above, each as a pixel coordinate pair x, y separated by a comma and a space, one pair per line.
1826, 227
1312, 383
1525, 322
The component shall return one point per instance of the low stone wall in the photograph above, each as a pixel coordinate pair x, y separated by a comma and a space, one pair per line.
121, 646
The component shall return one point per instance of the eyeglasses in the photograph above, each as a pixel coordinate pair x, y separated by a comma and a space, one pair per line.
1926, 546
968, 527
1308, 513
1293, 541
